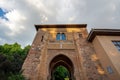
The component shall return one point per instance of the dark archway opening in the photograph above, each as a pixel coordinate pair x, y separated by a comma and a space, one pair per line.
61, 61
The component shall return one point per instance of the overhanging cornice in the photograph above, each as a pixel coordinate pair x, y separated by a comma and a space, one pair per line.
60, 26
102, 32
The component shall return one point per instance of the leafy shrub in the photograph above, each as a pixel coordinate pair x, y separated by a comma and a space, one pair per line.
17, 76
12, 57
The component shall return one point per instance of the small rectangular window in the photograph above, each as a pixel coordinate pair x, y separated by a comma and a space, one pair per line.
42, 38
117, 44
80, 35
109, 70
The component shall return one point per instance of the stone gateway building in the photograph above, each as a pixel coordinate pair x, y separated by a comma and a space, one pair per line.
93, 56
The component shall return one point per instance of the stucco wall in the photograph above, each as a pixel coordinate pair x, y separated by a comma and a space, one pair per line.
108, 54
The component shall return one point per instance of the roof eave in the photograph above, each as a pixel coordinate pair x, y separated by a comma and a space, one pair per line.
59, 26
102, 32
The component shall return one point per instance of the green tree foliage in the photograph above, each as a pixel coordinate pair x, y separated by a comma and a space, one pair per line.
60, 73
17, 76
12, 57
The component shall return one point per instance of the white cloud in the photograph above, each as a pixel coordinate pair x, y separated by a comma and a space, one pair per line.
39, 5
23, 14
72, 18
15, 22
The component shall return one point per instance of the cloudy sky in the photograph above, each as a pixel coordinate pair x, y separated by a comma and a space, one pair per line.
17, 17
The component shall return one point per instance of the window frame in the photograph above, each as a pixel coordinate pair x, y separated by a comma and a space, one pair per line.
116, 44
60, 36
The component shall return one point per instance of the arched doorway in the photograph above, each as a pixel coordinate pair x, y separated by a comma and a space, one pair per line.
60, 73
61, 60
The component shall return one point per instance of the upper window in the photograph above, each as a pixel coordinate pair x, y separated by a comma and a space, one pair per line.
63, 36
117, 44
60, 36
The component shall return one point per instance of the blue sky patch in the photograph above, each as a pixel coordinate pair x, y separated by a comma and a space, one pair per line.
2, 13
